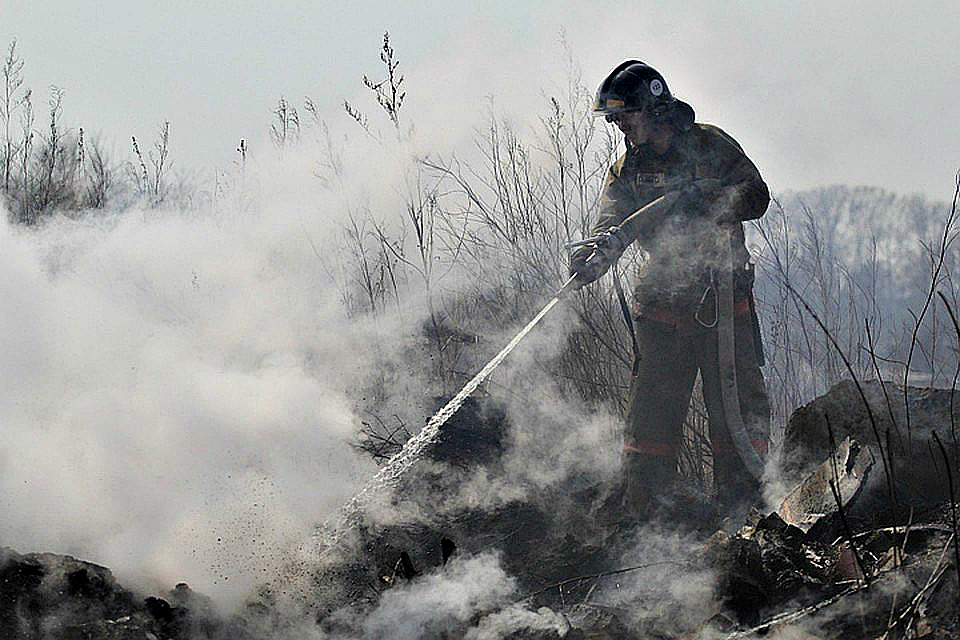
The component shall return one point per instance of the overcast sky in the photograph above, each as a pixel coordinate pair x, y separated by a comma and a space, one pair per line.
863, 93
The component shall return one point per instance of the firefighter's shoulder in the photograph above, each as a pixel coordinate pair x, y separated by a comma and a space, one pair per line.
712, 135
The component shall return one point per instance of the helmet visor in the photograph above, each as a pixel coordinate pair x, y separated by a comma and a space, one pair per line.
605, 106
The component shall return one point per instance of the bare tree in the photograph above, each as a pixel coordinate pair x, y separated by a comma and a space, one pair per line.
99, 180
286, 128
26, 213
152, 186
12, 81
388, 91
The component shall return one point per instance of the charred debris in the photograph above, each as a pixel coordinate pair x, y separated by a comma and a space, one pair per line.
863, 546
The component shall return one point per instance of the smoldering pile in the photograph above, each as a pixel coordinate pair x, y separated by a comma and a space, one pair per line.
44, 595
863, 547
840, 557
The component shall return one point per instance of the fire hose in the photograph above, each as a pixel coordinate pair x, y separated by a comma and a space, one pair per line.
726, 360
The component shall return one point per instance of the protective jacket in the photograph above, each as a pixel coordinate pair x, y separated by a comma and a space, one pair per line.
682, 245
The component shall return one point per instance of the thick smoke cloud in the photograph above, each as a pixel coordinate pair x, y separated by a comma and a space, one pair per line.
180, 388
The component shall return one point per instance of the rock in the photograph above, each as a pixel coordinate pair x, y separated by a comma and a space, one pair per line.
814, 500
909, 474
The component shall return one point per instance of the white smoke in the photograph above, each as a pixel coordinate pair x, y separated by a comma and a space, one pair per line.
503, 624
441, 601
180, 387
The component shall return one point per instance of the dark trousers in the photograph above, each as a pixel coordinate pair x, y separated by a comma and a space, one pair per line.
671, 354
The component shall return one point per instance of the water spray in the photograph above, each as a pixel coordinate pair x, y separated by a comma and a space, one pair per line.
390, 474
332, 531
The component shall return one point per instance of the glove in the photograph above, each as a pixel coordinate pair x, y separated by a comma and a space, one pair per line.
578, 259
590, 262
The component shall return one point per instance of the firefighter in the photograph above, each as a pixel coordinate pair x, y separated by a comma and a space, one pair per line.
692, 246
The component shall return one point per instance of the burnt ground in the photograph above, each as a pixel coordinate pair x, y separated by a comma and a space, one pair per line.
581, 568
877, 566
55, 597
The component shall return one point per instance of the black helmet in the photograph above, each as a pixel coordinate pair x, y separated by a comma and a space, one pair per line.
634, 85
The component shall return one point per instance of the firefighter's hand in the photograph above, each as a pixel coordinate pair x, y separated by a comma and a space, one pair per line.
578, 260
591, 261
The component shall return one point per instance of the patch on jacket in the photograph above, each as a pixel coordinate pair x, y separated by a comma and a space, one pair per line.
651, 179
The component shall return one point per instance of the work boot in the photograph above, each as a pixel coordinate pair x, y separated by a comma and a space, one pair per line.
737, 493
646, 483
690, 509
606, 511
